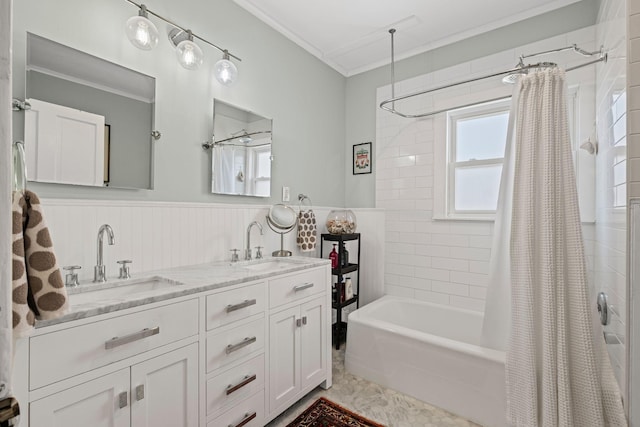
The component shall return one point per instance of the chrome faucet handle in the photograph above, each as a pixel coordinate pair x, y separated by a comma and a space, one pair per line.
71, 278
124, 269
234, 255
259, 252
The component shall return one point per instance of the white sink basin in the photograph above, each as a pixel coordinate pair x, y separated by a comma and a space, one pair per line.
268, 265
118, 291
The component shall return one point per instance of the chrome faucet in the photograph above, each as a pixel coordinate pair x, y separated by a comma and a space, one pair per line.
100, 271
247, 251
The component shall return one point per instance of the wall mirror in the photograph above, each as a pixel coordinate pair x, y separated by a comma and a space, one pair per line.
90, 121
240, 152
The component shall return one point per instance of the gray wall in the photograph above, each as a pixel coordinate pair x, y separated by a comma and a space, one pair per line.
360, 98
318, 114
277, 78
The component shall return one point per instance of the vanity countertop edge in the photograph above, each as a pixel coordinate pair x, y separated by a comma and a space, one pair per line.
188, 280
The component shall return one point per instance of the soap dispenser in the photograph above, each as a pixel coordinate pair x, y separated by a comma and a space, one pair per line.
334, 257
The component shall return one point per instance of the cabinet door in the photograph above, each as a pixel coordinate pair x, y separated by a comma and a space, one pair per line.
313, 342
284, 358
95, 403
164, 390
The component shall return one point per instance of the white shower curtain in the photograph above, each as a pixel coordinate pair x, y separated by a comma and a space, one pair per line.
557, 370
497, 313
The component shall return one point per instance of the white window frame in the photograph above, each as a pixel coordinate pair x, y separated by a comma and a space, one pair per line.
444, 195
581, 122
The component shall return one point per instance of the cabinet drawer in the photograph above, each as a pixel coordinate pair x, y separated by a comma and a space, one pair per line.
249, 411
227, 346
62, 354
234, 385
291, 288
227, 307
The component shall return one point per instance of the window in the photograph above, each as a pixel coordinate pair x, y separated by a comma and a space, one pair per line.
476, 138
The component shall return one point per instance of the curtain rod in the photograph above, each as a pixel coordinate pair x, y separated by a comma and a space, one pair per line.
518, 69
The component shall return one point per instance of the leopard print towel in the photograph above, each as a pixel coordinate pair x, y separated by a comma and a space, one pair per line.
38, 289
306, 231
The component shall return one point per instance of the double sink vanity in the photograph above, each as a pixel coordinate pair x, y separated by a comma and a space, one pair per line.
210, 345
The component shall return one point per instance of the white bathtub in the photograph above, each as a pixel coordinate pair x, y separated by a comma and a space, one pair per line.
430, 352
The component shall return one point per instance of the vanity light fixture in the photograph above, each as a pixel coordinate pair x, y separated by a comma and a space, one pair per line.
143, 34
225, 71
189, 54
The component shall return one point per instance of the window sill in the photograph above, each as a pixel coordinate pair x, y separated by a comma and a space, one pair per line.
482, 218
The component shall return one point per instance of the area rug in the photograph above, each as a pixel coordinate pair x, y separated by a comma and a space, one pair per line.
325, 413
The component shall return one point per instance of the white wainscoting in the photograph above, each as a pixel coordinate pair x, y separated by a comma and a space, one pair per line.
158, 235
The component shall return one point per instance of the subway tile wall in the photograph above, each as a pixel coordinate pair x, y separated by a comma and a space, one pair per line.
159, 235
610, 242
446, 261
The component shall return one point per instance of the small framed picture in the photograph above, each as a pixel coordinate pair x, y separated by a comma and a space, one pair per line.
362, 158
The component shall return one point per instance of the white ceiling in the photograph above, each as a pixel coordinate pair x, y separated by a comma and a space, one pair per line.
352, 35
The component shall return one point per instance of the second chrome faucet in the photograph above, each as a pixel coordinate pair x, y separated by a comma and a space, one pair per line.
100, 271
247, 251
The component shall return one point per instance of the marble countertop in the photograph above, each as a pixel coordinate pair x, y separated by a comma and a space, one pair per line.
93, 299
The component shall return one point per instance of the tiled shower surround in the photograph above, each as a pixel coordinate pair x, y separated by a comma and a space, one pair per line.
447, 261
610, 245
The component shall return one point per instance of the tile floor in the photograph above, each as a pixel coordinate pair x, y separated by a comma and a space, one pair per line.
380, 404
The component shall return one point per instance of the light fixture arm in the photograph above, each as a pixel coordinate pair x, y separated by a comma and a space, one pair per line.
145, 10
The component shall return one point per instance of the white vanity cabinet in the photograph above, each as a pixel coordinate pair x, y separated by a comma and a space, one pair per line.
235, 359
161, 391
299, 323
230, 355
138, 369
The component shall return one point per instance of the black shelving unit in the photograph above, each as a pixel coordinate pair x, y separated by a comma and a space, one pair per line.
339, 327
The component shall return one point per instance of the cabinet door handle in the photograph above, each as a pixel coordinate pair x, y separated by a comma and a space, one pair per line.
247, 417
140, 392
298, 322
245, 342
246, 380
123, 399
118, 341
304, 320
243, 304
302, 287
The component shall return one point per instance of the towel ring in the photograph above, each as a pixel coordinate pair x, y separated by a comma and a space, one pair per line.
301, 199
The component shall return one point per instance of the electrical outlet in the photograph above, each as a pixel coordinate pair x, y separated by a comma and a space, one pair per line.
286, 195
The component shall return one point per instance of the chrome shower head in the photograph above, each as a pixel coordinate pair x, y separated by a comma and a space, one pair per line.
518, 70
512, 77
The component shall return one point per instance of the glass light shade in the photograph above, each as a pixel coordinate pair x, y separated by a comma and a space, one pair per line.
189, 54
141, 32
225, 72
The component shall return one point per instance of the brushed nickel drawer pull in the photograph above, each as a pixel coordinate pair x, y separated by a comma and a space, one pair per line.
303, 287
140, 392
247, 417
245, 342
118, 341
244, 304
247, 379
122, 399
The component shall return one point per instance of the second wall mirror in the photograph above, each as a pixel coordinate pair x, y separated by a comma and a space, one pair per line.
240, 152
